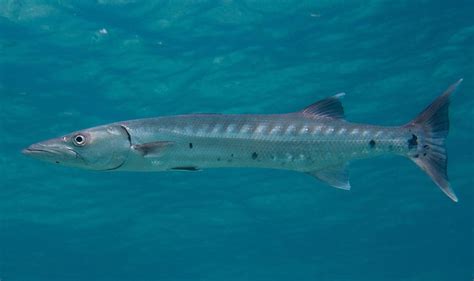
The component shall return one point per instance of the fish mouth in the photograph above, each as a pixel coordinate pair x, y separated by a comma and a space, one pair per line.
48, 153
33, 151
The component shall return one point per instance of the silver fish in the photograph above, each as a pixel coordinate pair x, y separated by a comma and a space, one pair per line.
316, 140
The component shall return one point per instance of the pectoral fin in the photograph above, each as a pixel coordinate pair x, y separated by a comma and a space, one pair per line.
152, 149
336, 176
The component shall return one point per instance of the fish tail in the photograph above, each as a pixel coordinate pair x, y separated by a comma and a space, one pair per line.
428, 149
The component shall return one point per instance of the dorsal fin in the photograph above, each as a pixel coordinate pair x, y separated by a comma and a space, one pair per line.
329, 107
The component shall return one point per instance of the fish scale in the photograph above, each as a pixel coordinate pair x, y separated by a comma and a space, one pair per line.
263, 141
316, 140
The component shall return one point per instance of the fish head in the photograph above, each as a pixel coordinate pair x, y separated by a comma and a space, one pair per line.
99, 148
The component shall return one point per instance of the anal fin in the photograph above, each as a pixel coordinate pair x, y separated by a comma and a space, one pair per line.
336, 176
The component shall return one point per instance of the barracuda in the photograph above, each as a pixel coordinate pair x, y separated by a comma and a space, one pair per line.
316, 140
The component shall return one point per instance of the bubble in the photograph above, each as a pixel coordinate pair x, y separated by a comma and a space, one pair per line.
103, 31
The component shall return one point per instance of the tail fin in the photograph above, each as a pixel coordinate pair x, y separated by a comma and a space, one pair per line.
431, 155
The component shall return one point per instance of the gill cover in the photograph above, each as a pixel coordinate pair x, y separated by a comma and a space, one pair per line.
105, 148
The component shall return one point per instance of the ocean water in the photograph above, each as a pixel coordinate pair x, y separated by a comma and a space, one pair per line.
67, 65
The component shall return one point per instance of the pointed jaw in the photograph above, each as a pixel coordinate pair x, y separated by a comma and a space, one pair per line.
53, 151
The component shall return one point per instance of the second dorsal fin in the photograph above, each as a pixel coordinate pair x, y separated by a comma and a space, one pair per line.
329, 107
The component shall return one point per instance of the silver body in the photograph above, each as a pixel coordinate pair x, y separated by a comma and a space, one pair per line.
316, 140
287, 141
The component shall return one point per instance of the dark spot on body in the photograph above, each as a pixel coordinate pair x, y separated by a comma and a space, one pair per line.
424, 154
413, 142
426, 146
254, 155
372, 143
390, 147
57, 162
218, 159
232, 155
416, 155
190, 145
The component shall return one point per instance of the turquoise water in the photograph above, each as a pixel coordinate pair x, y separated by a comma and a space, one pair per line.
66, 65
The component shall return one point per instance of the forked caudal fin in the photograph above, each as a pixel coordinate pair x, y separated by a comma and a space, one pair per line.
429, 149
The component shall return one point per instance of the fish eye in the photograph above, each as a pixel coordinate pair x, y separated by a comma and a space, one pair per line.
79, 140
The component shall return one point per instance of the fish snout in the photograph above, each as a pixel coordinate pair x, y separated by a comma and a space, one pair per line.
35, 149
50, 151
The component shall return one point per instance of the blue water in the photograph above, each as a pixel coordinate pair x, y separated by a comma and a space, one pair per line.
67, 65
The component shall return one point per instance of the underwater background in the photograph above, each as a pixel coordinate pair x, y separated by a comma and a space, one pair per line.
67, 65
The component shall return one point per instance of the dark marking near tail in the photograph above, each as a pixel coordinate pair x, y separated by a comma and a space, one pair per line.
254, 155
190, 145
372, 143
185, 168
413, 142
